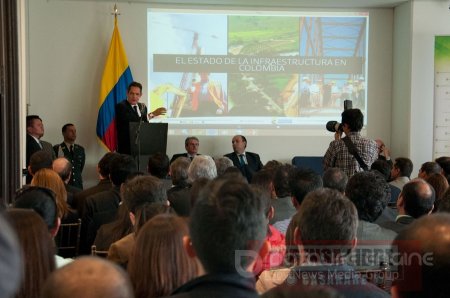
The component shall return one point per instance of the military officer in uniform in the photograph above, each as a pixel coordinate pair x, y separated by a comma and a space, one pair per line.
73, 152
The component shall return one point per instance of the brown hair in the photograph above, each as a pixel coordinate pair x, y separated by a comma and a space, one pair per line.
37, 247
439, 183
160, 264
50, 179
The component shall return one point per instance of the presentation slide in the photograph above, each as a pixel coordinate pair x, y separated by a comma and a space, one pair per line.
270, 73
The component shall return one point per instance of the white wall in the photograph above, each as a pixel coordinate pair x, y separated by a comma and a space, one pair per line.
430, 18
68, 42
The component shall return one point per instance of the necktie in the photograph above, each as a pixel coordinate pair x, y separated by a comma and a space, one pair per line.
71, 149
135, 108
241, 159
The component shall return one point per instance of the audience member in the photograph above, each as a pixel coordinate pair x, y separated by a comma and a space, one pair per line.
383, 152
429, 168
158, 166
335, 178
227, 229
326, 235
339, 156
384, 168
63, 168
179, 194
444, 204
103, 170
401, 172
43, 201
73, 152
11, 263
101, 208
370, 194
111, 232
202, 166
416, 199
37, 248
136, 193
50, 179
222, 164
39, 160
247, 162
424, 266
440, 185
301, 182
88, 277
159, 263
191, 145
196, 188
264, 179
282, 203
273, 257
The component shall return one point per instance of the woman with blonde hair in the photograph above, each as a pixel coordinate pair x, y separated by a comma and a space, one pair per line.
50, 179
160, 263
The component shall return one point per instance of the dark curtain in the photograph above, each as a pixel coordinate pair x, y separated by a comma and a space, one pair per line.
10, 173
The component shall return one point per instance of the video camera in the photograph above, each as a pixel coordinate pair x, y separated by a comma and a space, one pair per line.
334, 126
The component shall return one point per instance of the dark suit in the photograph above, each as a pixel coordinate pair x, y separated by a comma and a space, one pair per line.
32, 147
253, 164
76, 158
175, 156
79, 198
124, 115
100, 209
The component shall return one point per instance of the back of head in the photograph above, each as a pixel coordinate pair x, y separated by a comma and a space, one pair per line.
160, 264
179, 171
354, 118
444, 163
50, 179
404, 165
226, 220
222, 163
158, 165
424, 266
88, 277
335, 178
40, 160
63, 167
202, 166
41, 200
418, 198
326, 215
302, 182
10, 260
141, 190
383, 167
37, 247
104, 164
281, 180
430, 167
370, 193
121, 166
263, 179
439, 183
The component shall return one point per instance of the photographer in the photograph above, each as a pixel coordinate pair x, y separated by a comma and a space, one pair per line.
338, 154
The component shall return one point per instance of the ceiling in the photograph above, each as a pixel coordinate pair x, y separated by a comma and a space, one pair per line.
273, 3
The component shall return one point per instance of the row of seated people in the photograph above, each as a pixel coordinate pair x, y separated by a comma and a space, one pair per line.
368, 192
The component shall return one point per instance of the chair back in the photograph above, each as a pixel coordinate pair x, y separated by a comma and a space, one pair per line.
98, 253
68, 239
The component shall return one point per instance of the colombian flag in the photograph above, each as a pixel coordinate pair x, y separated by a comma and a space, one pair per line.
116, 78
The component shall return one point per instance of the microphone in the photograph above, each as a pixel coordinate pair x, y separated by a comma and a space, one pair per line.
334, 126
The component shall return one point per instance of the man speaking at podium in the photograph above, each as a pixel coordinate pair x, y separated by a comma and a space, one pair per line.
131, 110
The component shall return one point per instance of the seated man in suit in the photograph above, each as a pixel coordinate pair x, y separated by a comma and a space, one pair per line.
416, 199
131, 110
191, 145
325, 234
228, 227
247, 162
